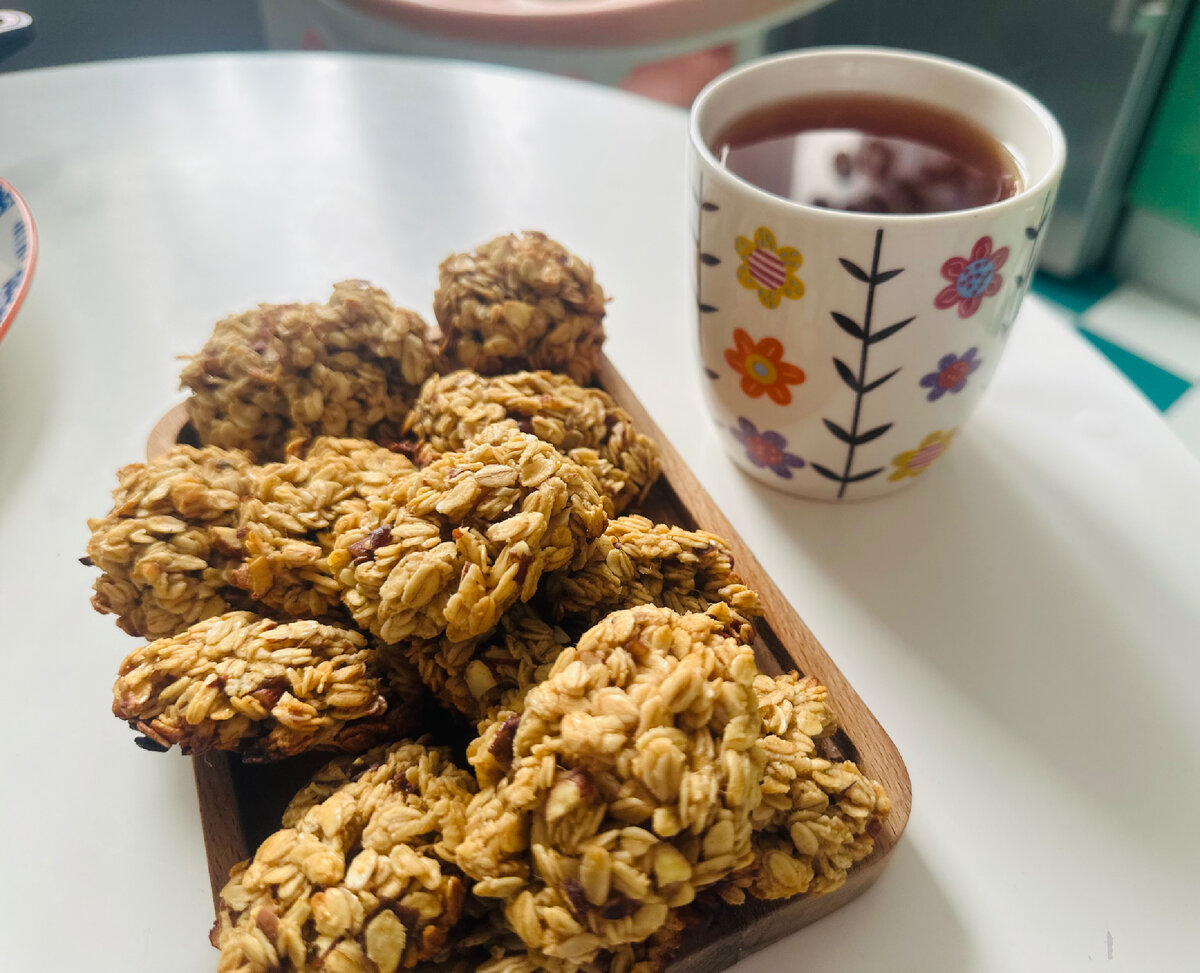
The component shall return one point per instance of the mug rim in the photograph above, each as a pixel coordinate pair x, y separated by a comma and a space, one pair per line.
1051, 175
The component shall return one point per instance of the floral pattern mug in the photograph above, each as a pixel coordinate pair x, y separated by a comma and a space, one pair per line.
841, 351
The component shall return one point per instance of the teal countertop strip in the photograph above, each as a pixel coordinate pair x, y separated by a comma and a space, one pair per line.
1077, 294
1158, 385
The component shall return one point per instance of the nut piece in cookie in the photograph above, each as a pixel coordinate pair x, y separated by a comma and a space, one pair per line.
350, 368
454, 547
632, 776
361, 878
264, 689
520, 301
168, 547
583, 423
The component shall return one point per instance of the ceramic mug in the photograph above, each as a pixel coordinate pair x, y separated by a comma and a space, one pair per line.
843, 351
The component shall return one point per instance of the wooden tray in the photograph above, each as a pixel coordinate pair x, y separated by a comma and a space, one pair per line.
240, 806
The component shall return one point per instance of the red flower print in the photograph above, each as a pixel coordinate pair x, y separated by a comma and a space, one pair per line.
762, 367
972, 278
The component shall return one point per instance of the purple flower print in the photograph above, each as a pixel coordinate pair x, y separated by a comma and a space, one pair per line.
951, 374
766, 449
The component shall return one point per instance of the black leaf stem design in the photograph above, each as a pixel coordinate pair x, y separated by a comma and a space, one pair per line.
703, 259
699, 236
853, 438
1032, 233
862, 362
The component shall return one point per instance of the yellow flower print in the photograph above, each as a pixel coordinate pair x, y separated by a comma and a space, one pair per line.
769, 269
914, 462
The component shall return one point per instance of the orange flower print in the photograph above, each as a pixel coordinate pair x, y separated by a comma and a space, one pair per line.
762, 367
769, 269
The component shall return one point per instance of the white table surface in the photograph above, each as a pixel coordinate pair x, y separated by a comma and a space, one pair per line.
1023, 620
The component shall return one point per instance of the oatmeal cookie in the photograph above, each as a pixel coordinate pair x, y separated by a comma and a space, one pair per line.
361, 880
639, 562
490, 941
350, 367
263, 689
168, 547
629, 784
285, 525
584, 423
817, 817
480, 676
520, 301
470, 536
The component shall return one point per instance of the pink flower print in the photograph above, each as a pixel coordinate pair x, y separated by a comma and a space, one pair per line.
972, 278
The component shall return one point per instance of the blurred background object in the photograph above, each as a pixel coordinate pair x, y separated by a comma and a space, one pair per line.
665, 49
70, 31
16, 31
1120, 75
1160, 242
1123, 246
1097, 66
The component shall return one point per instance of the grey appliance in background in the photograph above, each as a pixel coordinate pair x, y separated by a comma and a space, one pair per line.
1096, 64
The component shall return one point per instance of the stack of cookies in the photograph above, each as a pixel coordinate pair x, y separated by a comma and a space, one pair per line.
384, 517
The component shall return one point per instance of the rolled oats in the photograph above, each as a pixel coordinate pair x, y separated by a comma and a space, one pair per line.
350, 367
583, 423
285, 525
630, 777
168, 547
452, 548
817, 817
263, 689
520, 301
361, 879
637, 562
490, 941
480, 676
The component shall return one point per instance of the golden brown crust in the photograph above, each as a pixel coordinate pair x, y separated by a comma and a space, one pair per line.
285, 526
266, 690
583, 423
470, 536
350, 367
168, 547
628, 784
818, 817
520, 301
638, 562
362, 878
480, 676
